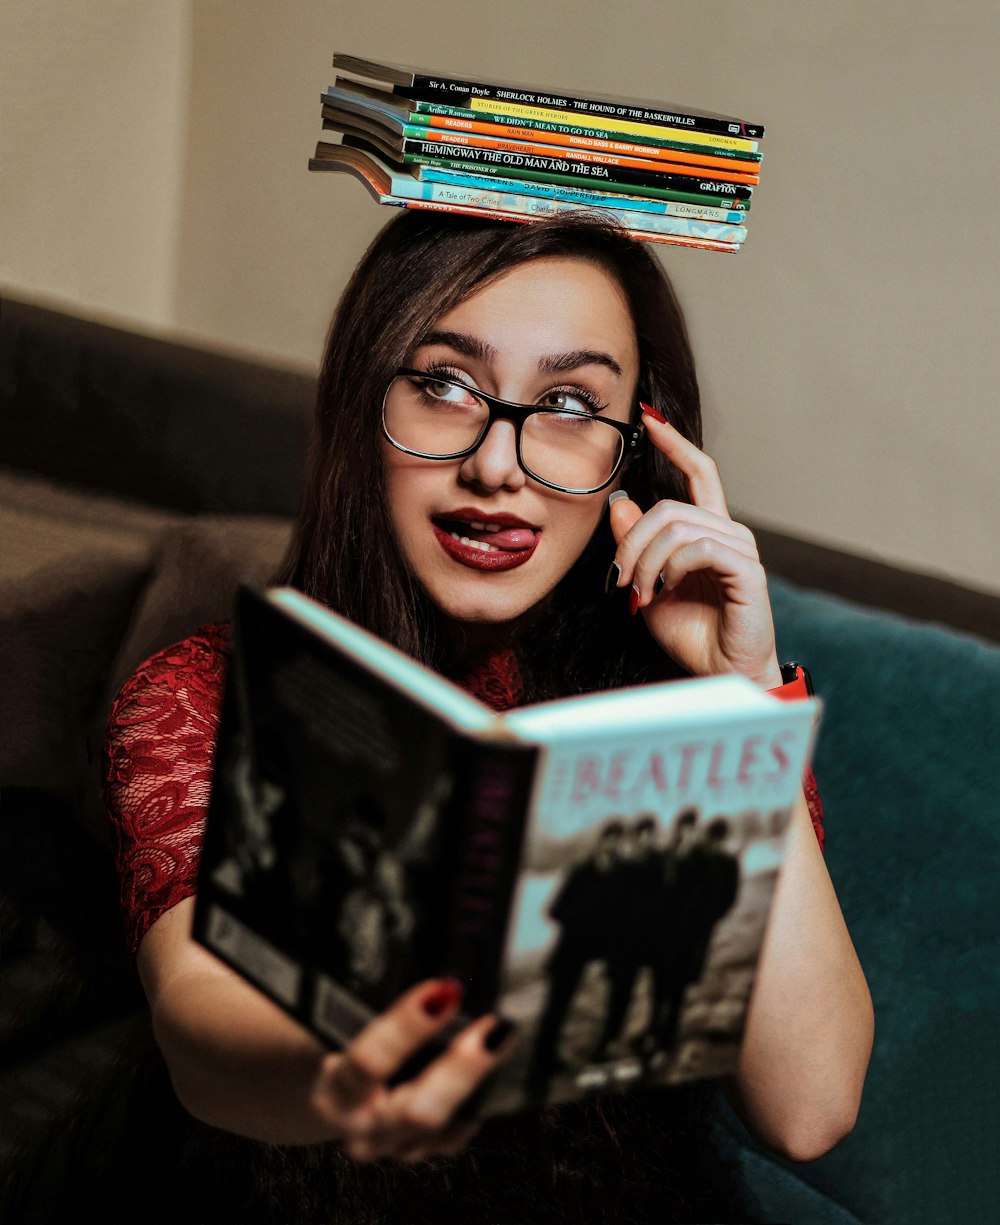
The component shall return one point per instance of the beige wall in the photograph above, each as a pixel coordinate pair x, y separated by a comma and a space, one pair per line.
93, 95
847, 355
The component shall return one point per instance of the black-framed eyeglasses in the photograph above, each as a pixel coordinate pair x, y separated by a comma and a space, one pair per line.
568, 449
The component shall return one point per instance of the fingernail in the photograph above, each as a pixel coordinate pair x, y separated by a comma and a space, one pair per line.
633, 600
614, 574
658, 585
498, 1034
648, 408
446, 995
618, 493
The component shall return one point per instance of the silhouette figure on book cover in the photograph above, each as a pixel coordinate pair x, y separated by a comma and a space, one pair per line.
371, 883
639, 886
581, 909
634, 907
248, 865
702, 881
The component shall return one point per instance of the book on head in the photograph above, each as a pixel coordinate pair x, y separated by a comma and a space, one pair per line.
416, 83
597, 869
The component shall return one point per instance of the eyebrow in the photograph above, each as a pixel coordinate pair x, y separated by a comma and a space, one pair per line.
559, 363
553, 363
461, 342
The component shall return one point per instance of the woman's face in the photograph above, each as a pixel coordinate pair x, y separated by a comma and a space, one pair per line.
553, 325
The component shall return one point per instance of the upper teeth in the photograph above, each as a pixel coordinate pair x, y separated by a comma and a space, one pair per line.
485, 527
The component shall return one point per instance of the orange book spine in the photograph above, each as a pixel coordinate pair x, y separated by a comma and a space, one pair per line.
471, 140
618, 147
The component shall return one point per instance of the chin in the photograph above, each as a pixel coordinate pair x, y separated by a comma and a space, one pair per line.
485, 611
482, 600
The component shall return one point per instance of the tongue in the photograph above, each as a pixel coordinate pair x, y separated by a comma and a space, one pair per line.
510, 538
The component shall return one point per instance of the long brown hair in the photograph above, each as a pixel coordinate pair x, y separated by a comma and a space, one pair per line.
344, 551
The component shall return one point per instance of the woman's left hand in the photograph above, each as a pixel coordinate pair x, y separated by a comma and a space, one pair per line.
711, 613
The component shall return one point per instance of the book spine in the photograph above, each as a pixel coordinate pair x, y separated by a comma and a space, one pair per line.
458, 120
533, 207
488, 805
617, 178
735, 213
599, 157
511, 112
428, 88
669, 187
702, 244
497, 215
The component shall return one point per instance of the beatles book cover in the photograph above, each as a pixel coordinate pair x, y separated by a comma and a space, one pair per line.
598, 870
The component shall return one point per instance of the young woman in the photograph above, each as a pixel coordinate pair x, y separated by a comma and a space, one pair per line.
448, 510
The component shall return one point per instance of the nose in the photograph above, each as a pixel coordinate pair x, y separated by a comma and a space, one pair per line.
493, 465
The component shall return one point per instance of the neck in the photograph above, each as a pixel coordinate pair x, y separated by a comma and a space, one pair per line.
465, 643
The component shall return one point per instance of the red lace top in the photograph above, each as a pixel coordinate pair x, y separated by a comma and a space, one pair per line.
158, 767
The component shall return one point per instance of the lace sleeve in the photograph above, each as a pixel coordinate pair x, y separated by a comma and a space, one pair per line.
157, 773
815, 806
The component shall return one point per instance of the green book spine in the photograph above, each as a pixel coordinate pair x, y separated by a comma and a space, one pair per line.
545, 176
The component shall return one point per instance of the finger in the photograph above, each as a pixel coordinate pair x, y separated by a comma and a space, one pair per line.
427, 1105
348, 1083
623, 513
700, 471
416, 1115
742, 579
389, 1040
653, 560
666, 516
669, 514
472, 1056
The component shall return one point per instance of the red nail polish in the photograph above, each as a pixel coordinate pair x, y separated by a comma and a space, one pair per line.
444, 996
633, 600
648, 408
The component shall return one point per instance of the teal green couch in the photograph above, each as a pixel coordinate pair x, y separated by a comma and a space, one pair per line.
139, 480
908, 760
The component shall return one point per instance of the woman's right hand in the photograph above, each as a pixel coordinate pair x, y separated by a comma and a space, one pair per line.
414, 1119
239, 1062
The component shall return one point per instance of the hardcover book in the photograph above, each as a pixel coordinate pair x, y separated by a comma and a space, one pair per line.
599, 869
444, 87
521, 140
396, 118
397, 187
422, 156
619, 175
735, 212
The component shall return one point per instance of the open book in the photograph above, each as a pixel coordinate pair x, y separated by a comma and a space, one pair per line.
599, 869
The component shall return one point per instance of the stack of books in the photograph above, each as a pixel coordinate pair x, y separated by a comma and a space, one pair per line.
484, 148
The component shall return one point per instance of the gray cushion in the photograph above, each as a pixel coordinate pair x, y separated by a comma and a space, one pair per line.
71, 569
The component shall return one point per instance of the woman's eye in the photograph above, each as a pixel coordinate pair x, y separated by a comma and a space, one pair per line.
572, 401
441, 390
438, 389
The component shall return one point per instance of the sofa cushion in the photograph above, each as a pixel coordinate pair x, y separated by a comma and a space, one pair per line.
147, 418
908, 761
71, 569
198, 566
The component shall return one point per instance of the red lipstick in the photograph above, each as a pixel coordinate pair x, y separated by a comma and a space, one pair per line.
485, 540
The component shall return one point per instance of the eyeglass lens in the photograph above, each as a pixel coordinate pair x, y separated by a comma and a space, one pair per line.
437, 418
